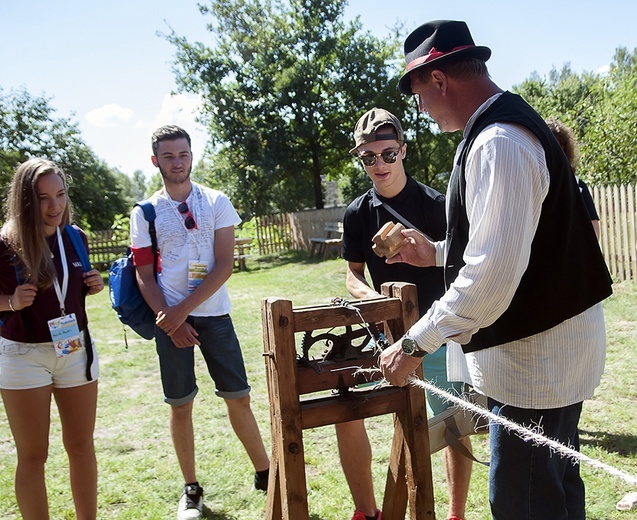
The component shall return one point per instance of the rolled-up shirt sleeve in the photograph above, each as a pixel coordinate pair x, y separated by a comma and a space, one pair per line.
507, 181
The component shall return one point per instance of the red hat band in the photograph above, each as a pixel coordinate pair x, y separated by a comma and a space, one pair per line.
434, 54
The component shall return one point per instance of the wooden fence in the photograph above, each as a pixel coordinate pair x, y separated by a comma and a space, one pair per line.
105, 247
273, 233
616, 206
285, 231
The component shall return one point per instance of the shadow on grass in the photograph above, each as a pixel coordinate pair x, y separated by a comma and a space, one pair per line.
623, 445
215, 515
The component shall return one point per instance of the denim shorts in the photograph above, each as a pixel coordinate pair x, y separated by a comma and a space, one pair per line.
434, 368
221, 351
34, 365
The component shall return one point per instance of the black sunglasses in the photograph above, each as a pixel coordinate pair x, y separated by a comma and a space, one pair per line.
189, 222
369, 159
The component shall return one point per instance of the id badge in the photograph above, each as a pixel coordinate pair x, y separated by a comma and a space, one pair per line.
197, 271
65, 334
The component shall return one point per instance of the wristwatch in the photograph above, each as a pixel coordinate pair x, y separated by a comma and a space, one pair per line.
410, 347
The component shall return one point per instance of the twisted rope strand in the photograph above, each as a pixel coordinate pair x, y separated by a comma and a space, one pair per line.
524, 433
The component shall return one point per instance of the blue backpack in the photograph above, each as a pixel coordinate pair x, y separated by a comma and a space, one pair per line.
126, 298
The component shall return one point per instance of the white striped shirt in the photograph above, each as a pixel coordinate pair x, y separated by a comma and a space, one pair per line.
507, 181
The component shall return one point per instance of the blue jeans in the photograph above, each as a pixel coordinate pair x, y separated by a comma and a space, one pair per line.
221, 351
528, 482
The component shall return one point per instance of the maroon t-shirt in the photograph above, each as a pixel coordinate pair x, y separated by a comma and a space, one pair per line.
29, 325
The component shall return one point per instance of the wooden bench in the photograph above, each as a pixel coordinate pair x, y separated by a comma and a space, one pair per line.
241, 249
333, 240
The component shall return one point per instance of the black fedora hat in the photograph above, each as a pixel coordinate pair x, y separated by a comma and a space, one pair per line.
436, 41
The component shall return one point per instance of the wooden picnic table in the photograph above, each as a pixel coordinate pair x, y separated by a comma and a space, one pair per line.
332, 241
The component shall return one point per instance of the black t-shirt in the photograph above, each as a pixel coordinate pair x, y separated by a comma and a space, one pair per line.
424, 207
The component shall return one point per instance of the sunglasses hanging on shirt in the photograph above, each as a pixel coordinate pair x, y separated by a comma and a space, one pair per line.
189, 220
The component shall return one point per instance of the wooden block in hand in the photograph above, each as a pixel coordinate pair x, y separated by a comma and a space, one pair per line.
389, 240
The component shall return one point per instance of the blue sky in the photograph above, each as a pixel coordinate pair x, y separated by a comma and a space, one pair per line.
104, 65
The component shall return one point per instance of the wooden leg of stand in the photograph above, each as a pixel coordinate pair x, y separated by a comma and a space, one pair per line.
413, 423
290, 491
395, 499
273, 505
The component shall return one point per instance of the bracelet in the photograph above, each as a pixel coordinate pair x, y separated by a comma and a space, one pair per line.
10, 304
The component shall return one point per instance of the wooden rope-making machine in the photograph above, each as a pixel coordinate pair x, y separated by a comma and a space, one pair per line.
307, 391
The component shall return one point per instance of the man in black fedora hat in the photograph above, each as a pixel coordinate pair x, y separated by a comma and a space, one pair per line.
524, 274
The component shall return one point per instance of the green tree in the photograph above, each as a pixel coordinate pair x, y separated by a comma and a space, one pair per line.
282, 89
600, 109
28, 128
563, 94
609, 148
135, 187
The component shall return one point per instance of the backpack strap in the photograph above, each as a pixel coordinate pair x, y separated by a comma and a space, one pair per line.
82, 253
79, 246
149, 215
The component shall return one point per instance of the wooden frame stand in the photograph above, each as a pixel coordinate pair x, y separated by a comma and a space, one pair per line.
409, 479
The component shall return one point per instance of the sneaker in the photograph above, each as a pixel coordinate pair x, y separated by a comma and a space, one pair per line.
360, 516
261, 480
191, 503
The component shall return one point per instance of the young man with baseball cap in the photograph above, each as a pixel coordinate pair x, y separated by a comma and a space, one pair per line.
381, 148
524, 274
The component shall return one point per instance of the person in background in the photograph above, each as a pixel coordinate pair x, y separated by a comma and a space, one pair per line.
525, 276
565, 137
41, 281
195, 235
381, 148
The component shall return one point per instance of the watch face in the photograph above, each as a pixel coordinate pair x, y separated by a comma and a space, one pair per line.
409, 346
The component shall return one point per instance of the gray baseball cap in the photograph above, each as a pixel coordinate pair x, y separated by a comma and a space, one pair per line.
370, 122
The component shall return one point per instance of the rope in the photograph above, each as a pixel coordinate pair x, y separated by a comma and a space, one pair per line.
524, 433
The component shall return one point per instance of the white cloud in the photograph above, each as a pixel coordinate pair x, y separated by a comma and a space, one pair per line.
178, 109
181, 110
603, 70
109, 115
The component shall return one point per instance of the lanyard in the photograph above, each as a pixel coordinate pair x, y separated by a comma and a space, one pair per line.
61, 292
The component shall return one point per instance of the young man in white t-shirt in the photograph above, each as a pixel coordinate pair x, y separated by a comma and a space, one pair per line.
195, 238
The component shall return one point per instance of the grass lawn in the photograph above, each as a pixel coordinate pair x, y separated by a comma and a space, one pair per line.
138, 472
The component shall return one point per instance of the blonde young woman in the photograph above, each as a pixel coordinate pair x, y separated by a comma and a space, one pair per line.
42, 294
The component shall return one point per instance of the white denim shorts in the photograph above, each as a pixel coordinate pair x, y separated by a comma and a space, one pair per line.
34, 365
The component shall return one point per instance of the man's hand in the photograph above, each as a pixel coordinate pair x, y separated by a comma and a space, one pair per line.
419, 251
170, 319
185, 336
397, 366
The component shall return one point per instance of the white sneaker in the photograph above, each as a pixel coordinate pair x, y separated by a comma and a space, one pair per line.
190, 503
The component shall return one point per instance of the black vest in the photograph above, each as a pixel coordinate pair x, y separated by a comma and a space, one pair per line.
567, 273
